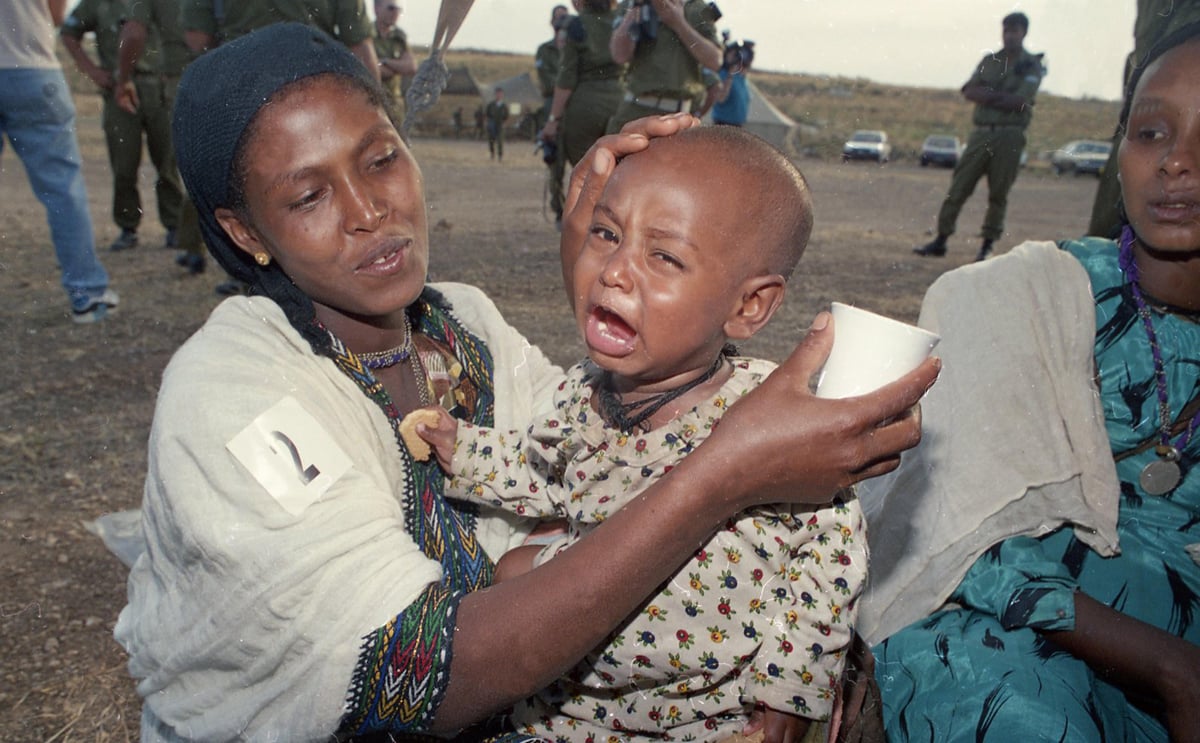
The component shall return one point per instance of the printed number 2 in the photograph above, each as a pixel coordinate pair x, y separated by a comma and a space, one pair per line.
307, 474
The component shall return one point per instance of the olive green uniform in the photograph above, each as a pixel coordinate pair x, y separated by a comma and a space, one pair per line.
393, 45
995, 145
344, 20
596, 82
663, 76
496, 115
546, 61
123, 130
1155, 19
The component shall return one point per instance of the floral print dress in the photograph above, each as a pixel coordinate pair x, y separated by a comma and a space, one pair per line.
764, 612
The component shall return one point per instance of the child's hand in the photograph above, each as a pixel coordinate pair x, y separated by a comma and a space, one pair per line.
777, 727
430, 427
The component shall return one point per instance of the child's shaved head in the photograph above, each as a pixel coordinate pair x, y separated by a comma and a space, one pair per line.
767, 192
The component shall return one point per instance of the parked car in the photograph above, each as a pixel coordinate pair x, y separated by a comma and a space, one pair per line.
867, 144
1080, 157
941, 149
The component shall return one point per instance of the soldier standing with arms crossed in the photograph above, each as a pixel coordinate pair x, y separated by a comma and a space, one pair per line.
665, 43
1002, 88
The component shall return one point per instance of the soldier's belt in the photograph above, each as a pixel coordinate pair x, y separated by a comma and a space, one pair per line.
662, 103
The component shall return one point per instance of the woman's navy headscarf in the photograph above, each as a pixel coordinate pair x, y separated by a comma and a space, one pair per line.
219, 95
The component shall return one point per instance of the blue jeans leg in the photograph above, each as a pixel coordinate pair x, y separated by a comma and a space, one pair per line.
38, 115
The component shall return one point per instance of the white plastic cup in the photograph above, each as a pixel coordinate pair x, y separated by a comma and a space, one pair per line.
870, 351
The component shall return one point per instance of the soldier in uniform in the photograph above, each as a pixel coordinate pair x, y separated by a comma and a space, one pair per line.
546, 61
206, 23
590, 84
123, 131
1002, 88
496, 114
391, 47
665, 56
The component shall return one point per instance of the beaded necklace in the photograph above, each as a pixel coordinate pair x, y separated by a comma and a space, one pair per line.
1161, 475
374, 360
392, 356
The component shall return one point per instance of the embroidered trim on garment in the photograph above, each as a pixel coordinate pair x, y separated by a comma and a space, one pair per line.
400, 678
388, 690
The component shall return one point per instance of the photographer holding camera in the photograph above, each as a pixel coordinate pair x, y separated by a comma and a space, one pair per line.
665, 42
733, 95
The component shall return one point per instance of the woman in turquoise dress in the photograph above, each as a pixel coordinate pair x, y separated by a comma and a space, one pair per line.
1044, 638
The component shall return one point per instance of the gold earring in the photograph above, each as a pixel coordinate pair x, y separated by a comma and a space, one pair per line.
262, 259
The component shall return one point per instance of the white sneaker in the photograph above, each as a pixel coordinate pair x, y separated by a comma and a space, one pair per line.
97, 308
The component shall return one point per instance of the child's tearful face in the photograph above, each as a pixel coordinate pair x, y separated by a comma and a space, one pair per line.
662, 265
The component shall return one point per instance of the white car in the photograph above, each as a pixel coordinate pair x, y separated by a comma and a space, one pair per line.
941, 149
867, 144
1080, 157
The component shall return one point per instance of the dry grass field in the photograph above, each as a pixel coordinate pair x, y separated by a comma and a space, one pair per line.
76, 401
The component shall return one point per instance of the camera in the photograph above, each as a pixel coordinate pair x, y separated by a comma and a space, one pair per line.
646, 26
738, 53
648, 21
548, 148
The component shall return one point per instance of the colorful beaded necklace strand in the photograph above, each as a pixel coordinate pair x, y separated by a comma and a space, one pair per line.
392, 356
1162, 475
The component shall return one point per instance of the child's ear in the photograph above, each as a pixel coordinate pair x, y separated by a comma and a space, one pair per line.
760, 297
242, 234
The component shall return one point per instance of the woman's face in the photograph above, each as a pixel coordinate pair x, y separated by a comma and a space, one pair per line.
335, 197
1160, 155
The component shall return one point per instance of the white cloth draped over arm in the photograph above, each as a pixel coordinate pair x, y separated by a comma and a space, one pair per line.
1013, 434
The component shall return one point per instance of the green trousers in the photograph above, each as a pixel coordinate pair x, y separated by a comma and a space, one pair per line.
123, 135
995, 153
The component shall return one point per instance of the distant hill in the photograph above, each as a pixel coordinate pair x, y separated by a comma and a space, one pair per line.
831, 108
828, 108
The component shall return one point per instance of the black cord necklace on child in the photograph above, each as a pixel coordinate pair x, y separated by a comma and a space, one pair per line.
1161, 475
630, 416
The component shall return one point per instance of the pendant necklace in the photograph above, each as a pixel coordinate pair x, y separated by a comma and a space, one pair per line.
1162, 475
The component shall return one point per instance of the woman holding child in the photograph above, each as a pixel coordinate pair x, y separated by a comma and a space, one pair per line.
1076, 615
304, 577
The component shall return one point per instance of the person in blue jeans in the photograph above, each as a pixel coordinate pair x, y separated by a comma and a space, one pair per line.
38, 115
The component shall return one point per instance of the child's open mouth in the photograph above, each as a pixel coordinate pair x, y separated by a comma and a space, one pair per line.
608, 334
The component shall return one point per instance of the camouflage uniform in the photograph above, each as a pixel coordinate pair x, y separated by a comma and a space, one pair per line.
663, 76
123, 130
344, 20
594, 79
994, 147
393, 46
547, 60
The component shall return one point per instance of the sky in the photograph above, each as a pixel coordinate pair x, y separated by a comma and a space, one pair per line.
926, 43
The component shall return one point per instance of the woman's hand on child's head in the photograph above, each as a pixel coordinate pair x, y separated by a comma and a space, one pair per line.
776, 726
590, 175
782, 444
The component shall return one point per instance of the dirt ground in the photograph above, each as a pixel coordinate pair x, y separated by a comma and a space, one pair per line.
73, 429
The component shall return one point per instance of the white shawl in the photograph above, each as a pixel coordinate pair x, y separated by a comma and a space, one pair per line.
1013, 434
244, 619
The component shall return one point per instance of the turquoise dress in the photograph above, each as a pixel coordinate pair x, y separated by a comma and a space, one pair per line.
983, 672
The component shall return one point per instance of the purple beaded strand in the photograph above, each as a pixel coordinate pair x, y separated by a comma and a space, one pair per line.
1132, 277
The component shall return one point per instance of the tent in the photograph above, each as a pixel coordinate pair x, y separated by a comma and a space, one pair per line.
765, 120
461, 82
